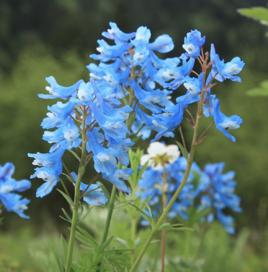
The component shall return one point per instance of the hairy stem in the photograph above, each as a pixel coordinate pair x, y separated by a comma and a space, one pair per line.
75, 206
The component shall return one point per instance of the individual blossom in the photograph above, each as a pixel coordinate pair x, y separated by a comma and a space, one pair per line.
160, 155
92, 194
221, 70
10, 189
48, 168
193, 43
222, 122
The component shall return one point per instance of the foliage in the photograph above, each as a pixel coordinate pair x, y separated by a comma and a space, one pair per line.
260, 14
21, 110
261, 90
256, 13
218, 252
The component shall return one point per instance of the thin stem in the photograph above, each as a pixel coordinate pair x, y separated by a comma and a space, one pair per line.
75, 207
106, 229
190, 159
133, 235
163, 232
182, 137
109, 216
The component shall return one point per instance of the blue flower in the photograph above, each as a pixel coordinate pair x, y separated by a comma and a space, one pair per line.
209, 190
57, 91
221, 70
68, 135
57, 113
194, 85
193, 43
218, 195
162, 44
49, 169
129, 95
114, 33
93, 194
223, 123
132, 70
150, 188
9, 189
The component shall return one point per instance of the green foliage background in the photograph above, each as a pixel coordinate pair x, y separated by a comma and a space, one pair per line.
40, 38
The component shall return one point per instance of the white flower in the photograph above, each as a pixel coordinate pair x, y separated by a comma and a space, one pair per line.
159, 155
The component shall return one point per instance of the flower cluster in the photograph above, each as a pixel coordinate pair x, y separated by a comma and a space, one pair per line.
208, 191
133, 65
86, 108
9, 189
151, 188
129, 95
133, 68
217, 193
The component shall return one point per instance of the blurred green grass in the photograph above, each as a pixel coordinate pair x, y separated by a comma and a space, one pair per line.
188, 251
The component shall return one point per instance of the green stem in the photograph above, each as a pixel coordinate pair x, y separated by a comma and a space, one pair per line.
164, 214
106, 229
133, 231
109, 215
163, 232
75, 206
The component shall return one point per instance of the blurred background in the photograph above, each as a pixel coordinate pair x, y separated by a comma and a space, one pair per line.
54, 37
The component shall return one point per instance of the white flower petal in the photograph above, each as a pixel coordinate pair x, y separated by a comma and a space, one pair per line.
173, 152
156, 148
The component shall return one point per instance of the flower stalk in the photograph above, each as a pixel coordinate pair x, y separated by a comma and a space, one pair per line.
106, 228
164, 232
76, 203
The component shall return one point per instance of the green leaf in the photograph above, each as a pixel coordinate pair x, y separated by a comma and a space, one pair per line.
85, 237
66, 197
256, 13
149, 219
66, 217
261, 90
